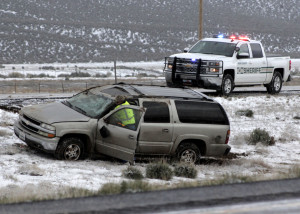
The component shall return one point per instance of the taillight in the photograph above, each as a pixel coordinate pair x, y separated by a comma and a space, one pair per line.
290, 67
227, 137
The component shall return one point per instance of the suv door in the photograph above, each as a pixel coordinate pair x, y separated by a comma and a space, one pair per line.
115, 139
157, 127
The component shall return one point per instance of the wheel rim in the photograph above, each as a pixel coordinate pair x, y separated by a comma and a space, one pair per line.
277, 83
227, 86
72, 152
188, 156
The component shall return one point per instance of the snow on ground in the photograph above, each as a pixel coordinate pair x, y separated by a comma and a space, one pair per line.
124, 69
22, 168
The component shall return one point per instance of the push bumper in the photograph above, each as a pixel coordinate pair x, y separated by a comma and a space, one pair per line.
36, 141
208, 82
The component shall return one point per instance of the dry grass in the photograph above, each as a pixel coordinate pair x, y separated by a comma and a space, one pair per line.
44, 191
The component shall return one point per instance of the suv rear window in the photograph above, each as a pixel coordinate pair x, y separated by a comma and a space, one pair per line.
201, 112
157, 112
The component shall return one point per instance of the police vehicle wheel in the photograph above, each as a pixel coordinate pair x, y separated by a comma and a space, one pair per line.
172, 85
70, 149
275, 85
227, 85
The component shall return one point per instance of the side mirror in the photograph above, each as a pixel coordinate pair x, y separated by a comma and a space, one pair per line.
104, 132
243, 56
185, 50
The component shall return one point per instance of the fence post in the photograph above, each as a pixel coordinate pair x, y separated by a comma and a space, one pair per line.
115, 69
15, 87
39, 87
62, 85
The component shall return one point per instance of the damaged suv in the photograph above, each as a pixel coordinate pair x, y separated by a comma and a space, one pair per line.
167, 121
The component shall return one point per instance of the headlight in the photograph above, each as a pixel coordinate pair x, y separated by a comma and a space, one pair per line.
49, 127
170, 63
20, 113
214, 70
216, 64
49, 135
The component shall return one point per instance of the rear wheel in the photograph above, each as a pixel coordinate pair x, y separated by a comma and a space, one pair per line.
188, 153
70, 149
275, 85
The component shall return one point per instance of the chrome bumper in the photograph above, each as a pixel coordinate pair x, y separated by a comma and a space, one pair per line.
33, 140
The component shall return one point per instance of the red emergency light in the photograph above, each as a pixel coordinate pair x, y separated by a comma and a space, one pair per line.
232, 37
244, 38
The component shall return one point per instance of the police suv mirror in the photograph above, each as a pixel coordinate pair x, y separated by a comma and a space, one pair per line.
237, 49
243, 55
104, 132
185, 50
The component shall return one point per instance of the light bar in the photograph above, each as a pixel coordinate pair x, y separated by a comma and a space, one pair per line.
233, 37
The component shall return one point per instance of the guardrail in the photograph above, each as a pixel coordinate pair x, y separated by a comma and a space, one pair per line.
64, 86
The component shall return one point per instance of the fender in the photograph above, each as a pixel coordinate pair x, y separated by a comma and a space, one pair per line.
181, 138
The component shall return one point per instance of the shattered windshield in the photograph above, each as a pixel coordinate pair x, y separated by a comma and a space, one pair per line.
215, 48
89, 104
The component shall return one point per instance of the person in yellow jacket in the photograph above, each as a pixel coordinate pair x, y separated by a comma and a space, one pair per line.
125, 116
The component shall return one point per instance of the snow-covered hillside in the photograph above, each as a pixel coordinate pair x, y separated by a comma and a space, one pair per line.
47, 31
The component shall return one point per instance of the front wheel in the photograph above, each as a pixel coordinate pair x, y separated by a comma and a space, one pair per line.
275, 85
173, 85
70, 149
227, 85
188, 153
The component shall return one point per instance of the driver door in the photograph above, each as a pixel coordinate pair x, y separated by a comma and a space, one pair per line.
115, 139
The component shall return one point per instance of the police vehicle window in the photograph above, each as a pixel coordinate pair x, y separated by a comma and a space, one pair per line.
201, 112
244, 49
156, 112
256, 50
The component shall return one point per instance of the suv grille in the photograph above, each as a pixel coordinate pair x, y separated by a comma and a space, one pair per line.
31, 120
30, 123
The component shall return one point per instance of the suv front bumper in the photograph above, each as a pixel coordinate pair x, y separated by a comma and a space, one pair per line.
36, 141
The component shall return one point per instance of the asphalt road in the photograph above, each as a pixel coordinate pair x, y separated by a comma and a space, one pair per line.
288, 206
167, 201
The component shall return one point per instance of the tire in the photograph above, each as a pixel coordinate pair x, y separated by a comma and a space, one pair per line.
227, 85
188, 153
172, 85
276, 84
70, 149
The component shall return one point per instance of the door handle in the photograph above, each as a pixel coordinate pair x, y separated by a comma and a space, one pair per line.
165, 130
131, 137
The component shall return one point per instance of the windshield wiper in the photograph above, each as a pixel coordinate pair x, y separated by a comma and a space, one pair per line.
79, 110
67, 103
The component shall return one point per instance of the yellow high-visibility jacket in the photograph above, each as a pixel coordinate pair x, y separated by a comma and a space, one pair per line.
126, 116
